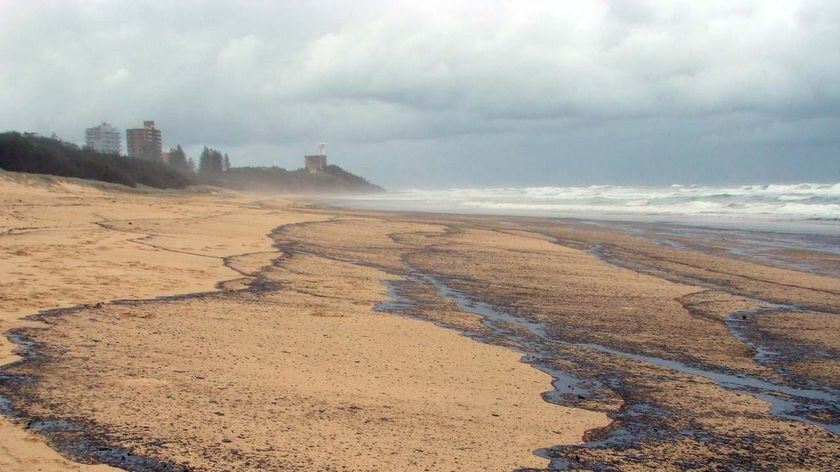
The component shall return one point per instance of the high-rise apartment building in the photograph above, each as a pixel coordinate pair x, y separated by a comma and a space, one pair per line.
103, 138
144, 143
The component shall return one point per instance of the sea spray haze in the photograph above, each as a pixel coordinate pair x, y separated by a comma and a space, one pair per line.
803, 203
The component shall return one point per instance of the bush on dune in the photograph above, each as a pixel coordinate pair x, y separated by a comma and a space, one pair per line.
40, 155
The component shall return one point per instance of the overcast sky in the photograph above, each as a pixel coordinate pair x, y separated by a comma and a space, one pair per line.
449, 93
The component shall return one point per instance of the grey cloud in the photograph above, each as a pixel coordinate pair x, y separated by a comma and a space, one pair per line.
401, 86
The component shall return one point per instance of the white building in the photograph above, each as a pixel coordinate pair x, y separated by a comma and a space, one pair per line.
103, 138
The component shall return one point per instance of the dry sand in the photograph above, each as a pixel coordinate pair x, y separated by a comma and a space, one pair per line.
306, 377
58, 249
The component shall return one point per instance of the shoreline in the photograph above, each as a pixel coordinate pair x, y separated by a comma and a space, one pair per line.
782, 238
768, 223
335, 243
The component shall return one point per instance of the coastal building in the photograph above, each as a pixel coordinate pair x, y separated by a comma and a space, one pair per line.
103, 138
317, 162
144, 143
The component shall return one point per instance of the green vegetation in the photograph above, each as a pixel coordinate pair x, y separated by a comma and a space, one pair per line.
178, 160
332, 179
40, 155
211, 165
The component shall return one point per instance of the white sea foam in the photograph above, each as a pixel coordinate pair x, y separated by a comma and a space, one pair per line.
788, 202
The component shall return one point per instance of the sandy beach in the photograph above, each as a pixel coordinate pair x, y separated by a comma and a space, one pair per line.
223, 331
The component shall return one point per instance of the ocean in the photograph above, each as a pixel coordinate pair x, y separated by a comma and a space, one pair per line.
802, 207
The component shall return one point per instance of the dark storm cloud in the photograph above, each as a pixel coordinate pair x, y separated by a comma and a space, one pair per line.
447, 92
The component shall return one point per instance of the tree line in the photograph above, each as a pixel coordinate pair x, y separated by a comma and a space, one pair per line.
212, 164
28, 152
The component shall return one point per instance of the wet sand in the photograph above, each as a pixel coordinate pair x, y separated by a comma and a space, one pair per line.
313, 338
644, 333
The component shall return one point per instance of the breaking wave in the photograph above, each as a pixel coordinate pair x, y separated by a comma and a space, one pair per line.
805, 201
